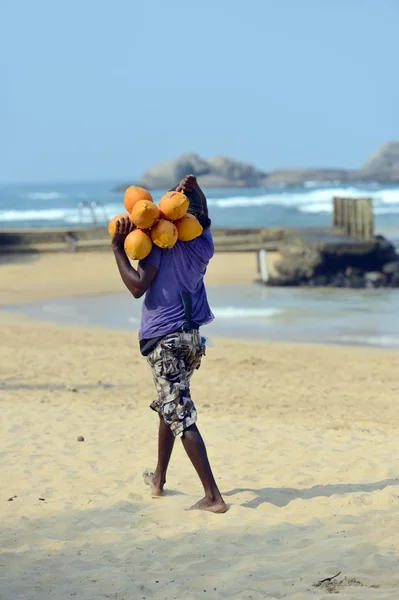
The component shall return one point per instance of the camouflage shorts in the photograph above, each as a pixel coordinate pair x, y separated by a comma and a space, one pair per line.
173, 362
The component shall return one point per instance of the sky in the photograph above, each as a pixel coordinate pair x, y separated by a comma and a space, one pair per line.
103, 89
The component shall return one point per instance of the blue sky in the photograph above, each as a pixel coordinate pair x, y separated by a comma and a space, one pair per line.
95, 89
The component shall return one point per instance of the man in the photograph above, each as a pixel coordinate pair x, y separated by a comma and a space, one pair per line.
174, 308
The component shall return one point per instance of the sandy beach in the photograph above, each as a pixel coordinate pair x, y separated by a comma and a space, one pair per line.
303, 441
42, 276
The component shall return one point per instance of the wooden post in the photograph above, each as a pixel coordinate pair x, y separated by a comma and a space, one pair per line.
360, 215
262, 263
337, 212
354, 216
345, 216
369, 220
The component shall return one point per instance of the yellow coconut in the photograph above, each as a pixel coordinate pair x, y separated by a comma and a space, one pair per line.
112, 223
164, 234
188, 228
134, 194
144, 214
173, 205
138, 245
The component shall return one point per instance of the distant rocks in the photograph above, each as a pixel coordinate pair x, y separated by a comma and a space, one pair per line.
219, 172
383, 165
216, 172
324, 259
301, 176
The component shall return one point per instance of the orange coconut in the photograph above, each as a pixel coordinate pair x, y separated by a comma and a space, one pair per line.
188, 228
112, 223
138, 245
134, 194
164, 234
144, 214
173, 205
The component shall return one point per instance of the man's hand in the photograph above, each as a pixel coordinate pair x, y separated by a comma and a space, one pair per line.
124, 226
188, 184
137, 280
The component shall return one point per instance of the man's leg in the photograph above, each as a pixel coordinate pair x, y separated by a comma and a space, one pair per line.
172, 370
196, 451
166, 441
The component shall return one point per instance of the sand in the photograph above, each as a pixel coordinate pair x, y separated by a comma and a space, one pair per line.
303, 441
36, 277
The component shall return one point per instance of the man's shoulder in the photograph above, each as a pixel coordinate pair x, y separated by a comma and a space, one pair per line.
207, 234
205, 240
205, 237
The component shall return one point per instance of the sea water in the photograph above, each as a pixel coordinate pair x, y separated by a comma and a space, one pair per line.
253, 311
360, 317
53, 204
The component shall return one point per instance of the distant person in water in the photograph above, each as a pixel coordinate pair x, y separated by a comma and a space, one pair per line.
174, 308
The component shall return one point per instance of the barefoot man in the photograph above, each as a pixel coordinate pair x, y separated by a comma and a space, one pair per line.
174, 308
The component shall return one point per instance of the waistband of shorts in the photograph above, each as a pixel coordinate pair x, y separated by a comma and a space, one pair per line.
193, 335
186, 328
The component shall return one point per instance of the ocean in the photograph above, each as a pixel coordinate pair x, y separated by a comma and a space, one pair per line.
354, 317
365, 317
51, 204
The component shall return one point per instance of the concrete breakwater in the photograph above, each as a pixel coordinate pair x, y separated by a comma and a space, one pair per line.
81, 239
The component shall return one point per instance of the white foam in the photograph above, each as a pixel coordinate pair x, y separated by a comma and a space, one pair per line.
325, 207
32, 215
243, 201
234, 312
66, 215
311, 184
311, 200
133, 320
381, 210
388, 196
321, 207
46, 196
388, 341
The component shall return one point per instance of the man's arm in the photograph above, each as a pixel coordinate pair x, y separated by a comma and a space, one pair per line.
190, 183
137, 282
204, 201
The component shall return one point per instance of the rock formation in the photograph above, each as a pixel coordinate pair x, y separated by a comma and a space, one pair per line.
217, 172
382, 166
319, 259
301, 176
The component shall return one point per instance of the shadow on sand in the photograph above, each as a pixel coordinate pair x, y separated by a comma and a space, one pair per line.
283, 496
66, 387
17, 258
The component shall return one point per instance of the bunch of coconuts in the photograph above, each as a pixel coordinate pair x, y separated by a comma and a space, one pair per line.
162, 225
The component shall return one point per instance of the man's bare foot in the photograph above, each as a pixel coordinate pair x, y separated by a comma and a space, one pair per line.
155, 486
215, 506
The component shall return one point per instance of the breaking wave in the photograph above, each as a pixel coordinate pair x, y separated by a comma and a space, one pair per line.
311, 200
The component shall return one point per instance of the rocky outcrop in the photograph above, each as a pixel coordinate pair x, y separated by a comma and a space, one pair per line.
383, 165
218, 172
324, 259
301, 176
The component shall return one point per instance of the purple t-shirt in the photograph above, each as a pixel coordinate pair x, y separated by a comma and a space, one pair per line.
180, 269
